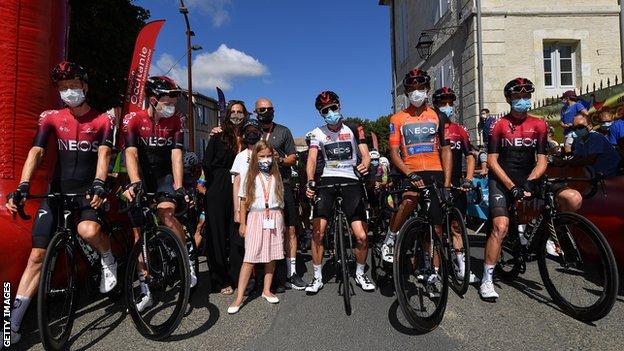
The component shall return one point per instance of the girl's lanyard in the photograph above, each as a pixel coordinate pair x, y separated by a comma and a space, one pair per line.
267, 222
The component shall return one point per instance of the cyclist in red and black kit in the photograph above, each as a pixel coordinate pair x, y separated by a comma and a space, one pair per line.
517, 154
154, 149
83, 141
457, 136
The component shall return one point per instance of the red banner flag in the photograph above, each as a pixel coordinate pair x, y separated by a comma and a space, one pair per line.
140, 66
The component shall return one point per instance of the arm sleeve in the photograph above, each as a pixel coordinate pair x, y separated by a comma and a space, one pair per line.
542, 138
44, 129
179, 134
441, 126
108, 130
289, 143
131, 136
395, 131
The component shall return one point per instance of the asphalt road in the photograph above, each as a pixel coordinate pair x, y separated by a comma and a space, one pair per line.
523, 318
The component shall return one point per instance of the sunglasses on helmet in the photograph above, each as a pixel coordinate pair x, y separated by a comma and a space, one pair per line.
523, 88
325, 110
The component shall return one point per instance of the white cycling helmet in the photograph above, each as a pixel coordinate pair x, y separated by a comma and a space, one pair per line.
384, 162
374, 154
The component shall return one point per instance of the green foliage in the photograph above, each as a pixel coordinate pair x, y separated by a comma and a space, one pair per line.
101, 39
380, 127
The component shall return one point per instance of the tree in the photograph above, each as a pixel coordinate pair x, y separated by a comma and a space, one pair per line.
380, 126
101, 39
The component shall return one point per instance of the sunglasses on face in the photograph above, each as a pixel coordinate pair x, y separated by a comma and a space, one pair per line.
325, 110
415, 80
263, 110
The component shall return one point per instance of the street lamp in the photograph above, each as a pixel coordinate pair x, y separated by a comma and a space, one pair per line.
424, 45
189, 33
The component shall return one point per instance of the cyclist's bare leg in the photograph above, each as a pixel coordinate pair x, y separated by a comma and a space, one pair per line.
410, 200
458, 243
290, 244
243, 279
91, 232
319, 226
166, 213
500, 226
361, 241
569, 200
30, 278
269, 269
136, 232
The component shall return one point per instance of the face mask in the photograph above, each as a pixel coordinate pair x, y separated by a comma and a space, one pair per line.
72, 97
418, 97
332, 117
606, 125
166, 111
374, 164
264, 164
237, 119
251, 138
580, 133
266, 117
521, 105
447, 110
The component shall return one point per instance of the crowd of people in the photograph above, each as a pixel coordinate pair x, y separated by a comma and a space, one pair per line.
251, 209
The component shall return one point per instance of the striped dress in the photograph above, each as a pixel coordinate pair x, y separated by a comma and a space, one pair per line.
264, 245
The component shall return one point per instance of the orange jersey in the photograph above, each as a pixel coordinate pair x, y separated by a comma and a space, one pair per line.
419, 138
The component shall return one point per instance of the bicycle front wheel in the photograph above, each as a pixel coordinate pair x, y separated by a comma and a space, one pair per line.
579, 272
458, 251
344, 265
57, 298
157, 283
420, 275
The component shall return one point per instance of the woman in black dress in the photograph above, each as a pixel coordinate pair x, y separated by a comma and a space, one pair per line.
218, 158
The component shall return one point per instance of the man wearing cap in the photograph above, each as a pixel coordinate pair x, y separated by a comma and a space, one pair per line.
571, 107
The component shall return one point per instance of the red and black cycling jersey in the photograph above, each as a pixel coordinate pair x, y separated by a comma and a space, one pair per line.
77, 141
457, 136
154, 141
517, 141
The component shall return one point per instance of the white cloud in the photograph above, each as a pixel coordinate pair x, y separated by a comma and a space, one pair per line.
218, 68
216, 9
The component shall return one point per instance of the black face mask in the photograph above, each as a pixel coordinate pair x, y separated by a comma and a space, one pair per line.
251, 138
266, 117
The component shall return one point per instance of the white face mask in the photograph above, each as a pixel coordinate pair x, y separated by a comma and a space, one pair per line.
72, 97
418, 97
166, 111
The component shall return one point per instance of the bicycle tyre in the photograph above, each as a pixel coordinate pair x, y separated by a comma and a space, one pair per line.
165, 329
605, 303
460, 286
60, 244
416, 227
344, 266
193, 253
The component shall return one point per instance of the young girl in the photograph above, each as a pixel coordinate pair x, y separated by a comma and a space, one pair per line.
263, 227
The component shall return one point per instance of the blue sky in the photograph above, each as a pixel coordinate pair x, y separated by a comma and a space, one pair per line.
288, 51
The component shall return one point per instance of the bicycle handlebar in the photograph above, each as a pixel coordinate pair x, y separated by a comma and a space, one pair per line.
25, 216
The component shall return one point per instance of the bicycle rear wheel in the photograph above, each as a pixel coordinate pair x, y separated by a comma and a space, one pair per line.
166, 279
422, 292
582, 278
457, 236
57, 297
344, 265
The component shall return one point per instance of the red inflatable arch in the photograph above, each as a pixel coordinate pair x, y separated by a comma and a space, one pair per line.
34, 36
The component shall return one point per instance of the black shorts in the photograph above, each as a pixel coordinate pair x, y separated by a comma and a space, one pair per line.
163, 185
461, 201
430, 177
352, 201
45, 220
499, 198
291, 213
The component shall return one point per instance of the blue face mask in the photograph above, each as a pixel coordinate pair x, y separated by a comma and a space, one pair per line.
447, 110
521, 105
333, 117
580, 133
606, 125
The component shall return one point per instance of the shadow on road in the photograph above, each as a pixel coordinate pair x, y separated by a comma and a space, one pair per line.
393, 317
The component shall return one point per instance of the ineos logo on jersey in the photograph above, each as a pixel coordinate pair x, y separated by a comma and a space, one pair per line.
342, 150
75, 145
157, 141
456, 144
520, 142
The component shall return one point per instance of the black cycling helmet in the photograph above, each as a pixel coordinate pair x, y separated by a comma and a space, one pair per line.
159, 86
519, 85
416, 76
444, 93
66, 71
252, 122
326, 98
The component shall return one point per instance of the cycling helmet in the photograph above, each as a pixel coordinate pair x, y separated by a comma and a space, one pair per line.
159, 86
374, 154
415, 77
326, 98
384, 162
68, 70
519, 85
444, 93
190, 159
251, 122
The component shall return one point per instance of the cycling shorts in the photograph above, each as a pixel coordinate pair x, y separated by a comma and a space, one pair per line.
352, 200
430, 177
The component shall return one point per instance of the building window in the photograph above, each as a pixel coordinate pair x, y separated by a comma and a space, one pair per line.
199, 113
402, 42
444, 73
559, 66
442, 9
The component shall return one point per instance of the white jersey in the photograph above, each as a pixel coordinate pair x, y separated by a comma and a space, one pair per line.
339, 149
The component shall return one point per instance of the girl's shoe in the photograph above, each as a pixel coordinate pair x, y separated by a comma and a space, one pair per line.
271, 299
233, 309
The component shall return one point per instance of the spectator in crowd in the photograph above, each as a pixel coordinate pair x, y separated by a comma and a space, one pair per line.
591, 149
571, 107
486, 121
553, 145
612, 129
480, 155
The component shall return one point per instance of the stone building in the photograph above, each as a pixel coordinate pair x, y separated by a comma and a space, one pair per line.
558, 44
205, 117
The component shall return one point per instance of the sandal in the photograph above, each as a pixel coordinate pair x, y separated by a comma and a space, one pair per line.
227, 291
